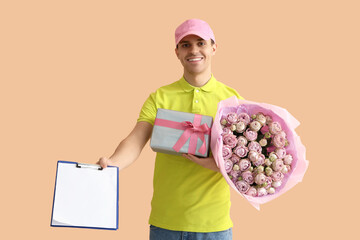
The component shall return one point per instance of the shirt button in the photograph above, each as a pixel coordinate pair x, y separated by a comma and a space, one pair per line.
196, 101
197, 90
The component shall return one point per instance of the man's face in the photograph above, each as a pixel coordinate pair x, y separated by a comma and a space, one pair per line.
195, 54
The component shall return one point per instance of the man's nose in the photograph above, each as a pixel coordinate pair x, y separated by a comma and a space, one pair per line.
194, 49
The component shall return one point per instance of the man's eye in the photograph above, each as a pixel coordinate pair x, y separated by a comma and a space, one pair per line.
185, 45
201, 43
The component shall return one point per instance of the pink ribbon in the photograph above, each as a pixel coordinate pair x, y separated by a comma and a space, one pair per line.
191, 130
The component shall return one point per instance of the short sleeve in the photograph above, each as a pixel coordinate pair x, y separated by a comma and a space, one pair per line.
148, 110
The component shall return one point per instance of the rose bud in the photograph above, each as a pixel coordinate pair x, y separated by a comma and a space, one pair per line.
250, 135
267, 135
288, 167
284, 170
286, 143
268, 171
255, 126
274, 127
228, 165
260, 169
248, 177
272, 156
288, 159
276, 184
231, 177
277, 165
242, 141
241, 151
261, 192
278, 141
244, 117
230, 140
234, 158
268, 162
253, 116
268, 182
244, 164
223, 122
271, 190
233, 127
251, 192
260, 178
268, 119
236, 167
280, 152
251, 169
263, 142
255, 146
261, 119
226, 152
232, 118
242, 186
240, 127
239, 178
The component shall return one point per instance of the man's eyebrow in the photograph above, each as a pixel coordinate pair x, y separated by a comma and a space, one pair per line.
200, 39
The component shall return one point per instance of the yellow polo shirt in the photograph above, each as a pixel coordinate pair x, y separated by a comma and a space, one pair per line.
187, 196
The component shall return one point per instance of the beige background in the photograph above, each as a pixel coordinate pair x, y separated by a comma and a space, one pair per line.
74, 75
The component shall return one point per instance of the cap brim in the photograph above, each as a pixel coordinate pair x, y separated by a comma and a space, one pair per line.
205, 37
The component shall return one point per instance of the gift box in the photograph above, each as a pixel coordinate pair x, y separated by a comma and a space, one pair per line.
177, 132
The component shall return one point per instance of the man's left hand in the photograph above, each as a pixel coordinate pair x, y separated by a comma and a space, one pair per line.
208, 162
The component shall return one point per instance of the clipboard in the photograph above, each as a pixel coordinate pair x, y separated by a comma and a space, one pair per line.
85, 196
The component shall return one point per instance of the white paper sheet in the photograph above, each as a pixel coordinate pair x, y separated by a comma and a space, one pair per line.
85, 197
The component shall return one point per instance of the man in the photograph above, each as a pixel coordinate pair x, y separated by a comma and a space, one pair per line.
191, 199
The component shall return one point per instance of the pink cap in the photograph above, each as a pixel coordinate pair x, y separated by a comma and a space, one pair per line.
194, 26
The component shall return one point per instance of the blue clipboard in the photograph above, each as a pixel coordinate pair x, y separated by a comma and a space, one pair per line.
85, 196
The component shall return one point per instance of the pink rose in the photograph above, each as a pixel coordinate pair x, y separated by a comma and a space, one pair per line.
280, 152
276, 184
261, 192
260, 178
282, 133
288, 159
250, 135
226, 152
230, 140
232, 118
253, 155
241, 151
274, 127
248, 177
279, 141
261, 118
226, 131
268, 181
255, 125
234, 158
268, 119
260, 160
277, 165
255, 146
234, 175
242, 141
242, 186
244, 117
244, 164
277, 176
240, 127
251, 192
228, 165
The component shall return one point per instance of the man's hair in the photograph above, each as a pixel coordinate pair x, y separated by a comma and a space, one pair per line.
212, 43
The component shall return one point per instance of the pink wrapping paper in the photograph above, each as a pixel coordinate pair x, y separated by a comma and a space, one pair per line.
288, 123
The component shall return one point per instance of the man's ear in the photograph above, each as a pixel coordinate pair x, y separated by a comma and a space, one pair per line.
214, 48
177, 52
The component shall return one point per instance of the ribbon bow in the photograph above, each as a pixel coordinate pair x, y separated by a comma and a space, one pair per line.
191, 130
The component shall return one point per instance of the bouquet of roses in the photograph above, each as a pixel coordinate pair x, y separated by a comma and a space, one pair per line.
257, 149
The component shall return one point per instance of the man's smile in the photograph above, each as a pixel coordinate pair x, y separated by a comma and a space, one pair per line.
195, 59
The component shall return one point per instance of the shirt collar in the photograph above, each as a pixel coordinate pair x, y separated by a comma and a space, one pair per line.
208, 87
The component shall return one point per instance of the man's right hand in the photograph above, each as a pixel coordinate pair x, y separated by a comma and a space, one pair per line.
104, 162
